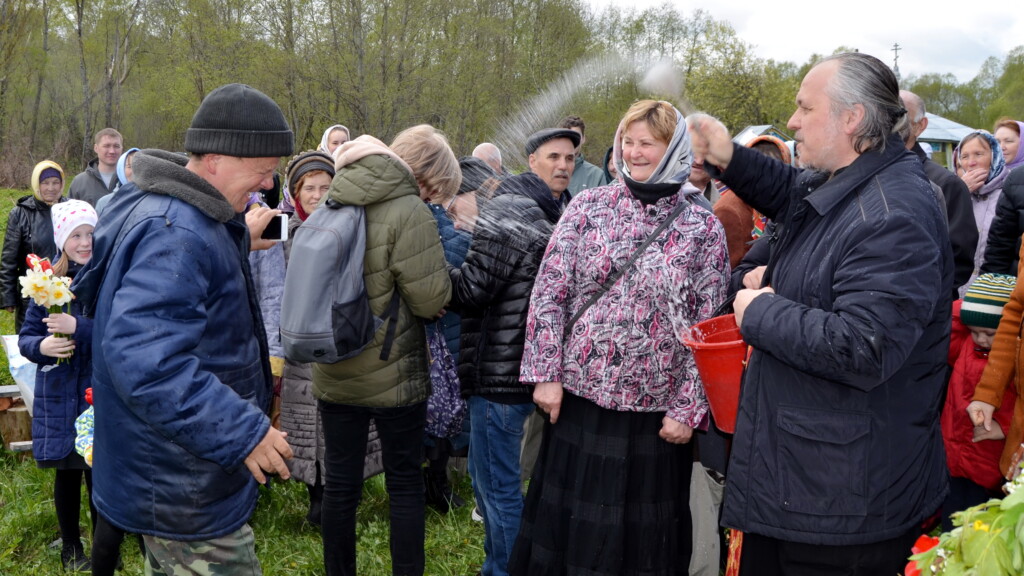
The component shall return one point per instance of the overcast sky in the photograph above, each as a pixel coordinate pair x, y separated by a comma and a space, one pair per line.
956, 38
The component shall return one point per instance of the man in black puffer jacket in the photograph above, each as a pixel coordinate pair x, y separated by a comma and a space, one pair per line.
493, 286
492, 290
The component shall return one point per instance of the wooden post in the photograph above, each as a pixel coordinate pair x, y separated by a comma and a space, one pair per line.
16, 426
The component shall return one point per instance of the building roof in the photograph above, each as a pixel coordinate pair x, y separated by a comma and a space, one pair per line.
943, 130
751, 132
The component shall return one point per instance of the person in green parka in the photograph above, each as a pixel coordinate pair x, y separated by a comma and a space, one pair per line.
404, 253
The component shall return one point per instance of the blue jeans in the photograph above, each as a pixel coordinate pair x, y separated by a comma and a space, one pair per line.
494, 441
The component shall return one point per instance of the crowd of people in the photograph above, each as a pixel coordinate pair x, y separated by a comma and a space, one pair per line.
872, 285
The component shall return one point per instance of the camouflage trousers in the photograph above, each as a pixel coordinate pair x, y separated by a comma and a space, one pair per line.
231, 555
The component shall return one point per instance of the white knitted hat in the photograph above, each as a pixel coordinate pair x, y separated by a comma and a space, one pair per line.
70, 215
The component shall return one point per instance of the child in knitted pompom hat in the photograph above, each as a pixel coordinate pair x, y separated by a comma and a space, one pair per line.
60, 343
972, 453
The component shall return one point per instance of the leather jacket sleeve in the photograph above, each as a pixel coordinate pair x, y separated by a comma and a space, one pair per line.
10, 288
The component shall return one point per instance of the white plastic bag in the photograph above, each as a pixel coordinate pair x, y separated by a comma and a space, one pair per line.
23, 371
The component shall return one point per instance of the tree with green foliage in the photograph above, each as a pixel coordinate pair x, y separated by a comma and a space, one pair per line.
1008, 100
481, 70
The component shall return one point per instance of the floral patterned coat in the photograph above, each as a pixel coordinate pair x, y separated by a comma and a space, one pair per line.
625, 352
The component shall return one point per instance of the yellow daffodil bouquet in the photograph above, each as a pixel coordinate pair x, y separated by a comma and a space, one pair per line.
988, 539
45, 288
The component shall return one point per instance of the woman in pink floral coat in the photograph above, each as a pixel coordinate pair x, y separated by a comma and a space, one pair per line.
610, 493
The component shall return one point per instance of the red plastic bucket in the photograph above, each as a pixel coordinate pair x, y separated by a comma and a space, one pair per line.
720, 353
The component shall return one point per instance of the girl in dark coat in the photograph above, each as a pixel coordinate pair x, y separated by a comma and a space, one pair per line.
455, 240
61, 345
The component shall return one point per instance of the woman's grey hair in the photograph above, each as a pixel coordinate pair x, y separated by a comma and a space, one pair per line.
866, 80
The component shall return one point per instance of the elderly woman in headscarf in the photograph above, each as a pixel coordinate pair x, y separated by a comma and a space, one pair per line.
124, 167
608, 366
29, 231
980, 164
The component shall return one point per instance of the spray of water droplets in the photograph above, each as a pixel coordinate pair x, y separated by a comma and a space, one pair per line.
544, 110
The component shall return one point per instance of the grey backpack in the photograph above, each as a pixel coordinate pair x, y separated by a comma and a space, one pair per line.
325, 312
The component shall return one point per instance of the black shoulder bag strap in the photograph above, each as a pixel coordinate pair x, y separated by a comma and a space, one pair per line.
614, 276
392, 318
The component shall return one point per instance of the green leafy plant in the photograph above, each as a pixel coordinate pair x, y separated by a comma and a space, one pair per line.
988, 540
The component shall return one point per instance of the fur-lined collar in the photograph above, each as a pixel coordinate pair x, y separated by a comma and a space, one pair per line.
164, 172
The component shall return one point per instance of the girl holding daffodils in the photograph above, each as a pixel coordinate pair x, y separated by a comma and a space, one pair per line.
60, 344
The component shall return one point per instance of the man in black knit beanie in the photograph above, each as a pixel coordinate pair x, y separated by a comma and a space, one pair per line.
181, 381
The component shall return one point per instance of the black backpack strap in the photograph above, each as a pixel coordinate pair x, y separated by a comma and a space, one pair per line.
614, 276
392, 319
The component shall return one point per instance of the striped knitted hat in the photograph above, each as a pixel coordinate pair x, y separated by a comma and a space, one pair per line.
985, 298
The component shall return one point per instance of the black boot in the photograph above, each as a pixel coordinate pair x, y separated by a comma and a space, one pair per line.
316, 500
73, 558
440, 494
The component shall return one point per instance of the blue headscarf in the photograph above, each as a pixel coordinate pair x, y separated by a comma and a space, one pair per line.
121, 176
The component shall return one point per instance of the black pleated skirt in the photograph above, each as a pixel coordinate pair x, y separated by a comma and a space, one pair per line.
607, 497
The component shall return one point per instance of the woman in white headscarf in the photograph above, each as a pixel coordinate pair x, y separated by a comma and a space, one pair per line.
610, 491
333, 137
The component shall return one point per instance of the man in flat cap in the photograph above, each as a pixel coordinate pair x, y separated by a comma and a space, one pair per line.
181, 377
552, 156
492, 291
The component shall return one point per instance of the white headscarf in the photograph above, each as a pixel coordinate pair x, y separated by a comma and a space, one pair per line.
327, 137
674, 167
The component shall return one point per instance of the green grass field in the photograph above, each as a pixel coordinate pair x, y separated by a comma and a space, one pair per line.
285, 543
